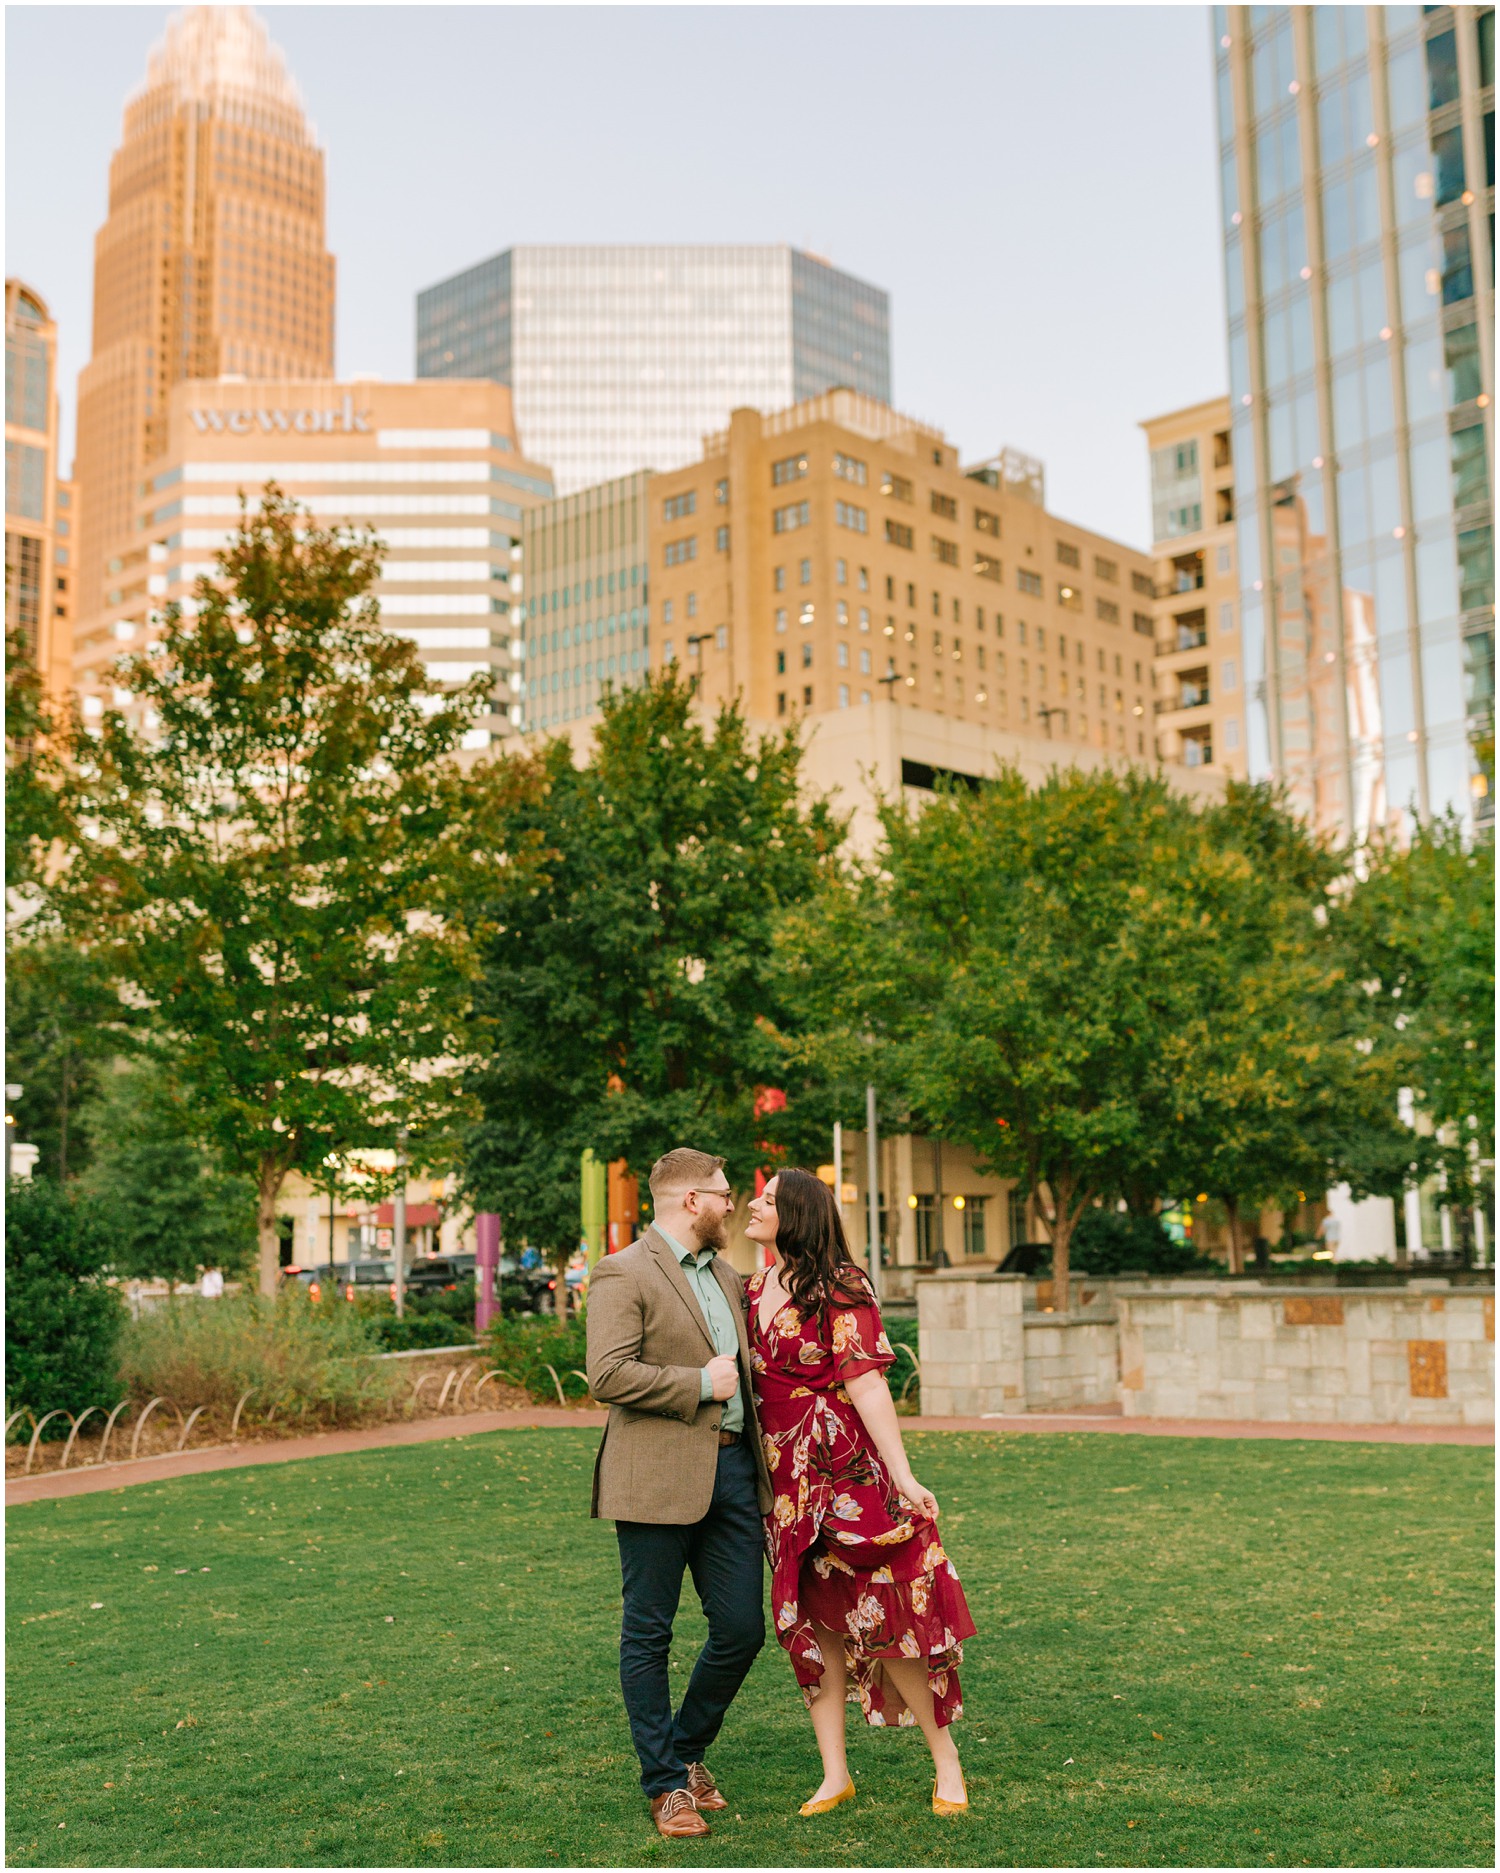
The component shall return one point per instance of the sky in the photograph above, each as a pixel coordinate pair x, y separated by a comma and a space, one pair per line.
1034, 186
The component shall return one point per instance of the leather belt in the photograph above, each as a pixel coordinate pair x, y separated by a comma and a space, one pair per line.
726, 1438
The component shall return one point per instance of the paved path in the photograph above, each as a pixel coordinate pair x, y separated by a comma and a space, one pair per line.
469, 1424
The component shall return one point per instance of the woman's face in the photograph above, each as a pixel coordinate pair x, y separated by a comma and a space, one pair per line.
762, 1224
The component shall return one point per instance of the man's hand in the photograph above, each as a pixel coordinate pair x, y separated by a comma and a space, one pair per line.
723, 1374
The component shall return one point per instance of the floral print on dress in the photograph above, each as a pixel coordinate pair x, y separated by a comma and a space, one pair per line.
847, 1551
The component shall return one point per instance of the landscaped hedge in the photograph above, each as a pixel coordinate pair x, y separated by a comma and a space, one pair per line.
62, 1319
524, 1349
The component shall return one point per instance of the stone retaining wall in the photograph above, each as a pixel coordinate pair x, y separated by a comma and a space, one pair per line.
1071, 1362
1419, 1354
1423, 1354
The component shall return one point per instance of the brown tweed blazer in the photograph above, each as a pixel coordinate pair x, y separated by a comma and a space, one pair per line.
648, 1344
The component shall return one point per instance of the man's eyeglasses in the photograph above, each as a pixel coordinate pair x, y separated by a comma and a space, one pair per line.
701, 1190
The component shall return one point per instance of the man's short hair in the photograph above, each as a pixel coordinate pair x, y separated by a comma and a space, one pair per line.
682, 1170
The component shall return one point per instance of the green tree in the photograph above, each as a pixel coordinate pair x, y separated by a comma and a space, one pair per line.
1267, 1087
279, 857
1022, 954
1418, 932
629, 997
64, 1024
168, 1208
62, 1319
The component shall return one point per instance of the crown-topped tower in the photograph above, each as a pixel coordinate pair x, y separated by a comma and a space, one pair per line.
212, 260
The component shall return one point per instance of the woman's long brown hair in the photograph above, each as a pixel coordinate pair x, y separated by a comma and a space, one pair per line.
817, 1267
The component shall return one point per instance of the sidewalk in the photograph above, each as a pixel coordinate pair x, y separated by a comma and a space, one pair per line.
475, 1423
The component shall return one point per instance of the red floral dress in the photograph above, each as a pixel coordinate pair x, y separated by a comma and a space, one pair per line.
847, 1551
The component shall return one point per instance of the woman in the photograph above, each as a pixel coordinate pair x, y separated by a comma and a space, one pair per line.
860, 1586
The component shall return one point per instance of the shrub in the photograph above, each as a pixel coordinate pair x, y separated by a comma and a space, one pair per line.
62, 1319
1119, 1242
417, 1330
901, 1330
309, 1361
525, 1348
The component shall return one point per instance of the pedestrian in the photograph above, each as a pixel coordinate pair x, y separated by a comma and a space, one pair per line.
211, 1286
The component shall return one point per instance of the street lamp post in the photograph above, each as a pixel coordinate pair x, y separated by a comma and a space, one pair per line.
695, 642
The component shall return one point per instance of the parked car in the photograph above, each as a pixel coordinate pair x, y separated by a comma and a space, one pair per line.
314, 1276
367, 1275
434, 1274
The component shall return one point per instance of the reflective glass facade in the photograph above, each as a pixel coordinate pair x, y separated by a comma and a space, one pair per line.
584, 610
622, 358
1357, 172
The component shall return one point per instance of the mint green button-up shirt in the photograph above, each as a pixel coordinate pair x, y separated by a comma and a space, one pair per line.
720, 1319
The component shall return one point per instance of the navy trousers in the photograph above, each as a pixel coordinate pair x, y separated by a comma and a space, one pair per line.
725, 1555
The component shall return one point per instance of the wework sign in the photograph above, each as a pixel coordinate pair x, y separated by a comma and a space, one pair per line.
344, 420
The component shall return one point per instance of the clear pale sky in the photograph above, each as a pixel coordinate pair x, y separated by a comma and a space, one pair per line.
1034, 186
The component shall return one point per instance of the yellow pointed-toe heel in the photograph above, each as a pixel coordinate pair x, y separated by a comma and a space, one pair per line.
831, 1801
941, 1804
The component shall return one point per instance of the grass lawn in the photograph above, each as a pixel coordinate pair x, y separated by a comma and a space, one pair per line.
1191, 1652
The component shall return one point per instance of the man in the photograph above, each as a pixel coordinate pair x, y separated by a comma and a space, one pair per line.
682, 1474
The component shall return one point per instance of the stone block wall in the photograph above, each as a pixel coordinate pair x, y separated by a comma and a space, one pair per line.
1071, 1362
971, 1344
1423, 1354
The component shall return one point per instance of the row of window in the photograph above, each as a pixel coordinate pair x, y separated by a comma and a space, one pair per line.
585, 591
680, 506
679, 552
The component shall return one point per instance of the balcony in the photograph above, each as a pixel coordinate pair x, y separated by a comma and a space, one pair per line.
1189, 696
1187, 575
1189, 632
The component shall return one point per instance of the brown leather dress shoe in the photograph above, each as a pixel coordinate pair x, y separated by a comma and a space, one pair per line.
676, 1817
703, 1788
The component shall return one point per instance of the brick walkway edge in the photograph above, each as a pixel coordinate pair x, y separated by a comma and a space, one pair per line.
25, 1489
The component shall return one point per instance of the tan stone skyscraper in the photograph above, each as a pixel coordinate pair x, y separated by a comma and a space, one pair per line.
212, 259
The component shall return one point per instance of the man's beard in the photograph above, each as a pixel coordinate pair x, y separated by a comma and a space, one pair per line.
709, 1232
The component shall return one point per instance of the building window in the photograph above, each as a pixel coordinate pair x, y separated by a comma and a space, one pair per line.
792, 469
864, 578
864, 617
849, 468
781, 618
668, 652
1141, 582
841, 571
789, 519
692, 604
841, 611
897, 487
945, 550
1231, 733
987, 523
807, 702
781, 578
666, 618
721, 492
804, 572
1068, 555
1228, 674
1070, 598
807, 654
1029, 581
843, 695
1226, 619
1106, 569
1141, 621
680, 506
864, 663
897, 535
943, 505
1108, 610
781, 702
678, 552
721, 539
842, 657
857, 519
781, 663
988, 568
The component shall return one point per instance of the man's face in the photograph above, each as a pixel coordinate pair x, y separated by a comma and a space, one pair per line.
713, 1207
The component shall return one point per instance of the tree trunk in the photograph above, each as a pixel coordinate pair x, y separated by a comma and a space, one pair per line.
1236, 1241
269, 1257
1060, 1195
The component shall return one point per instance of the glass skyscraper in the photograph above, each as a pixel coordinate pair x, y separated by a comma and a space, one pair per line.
623, 358
1357, 156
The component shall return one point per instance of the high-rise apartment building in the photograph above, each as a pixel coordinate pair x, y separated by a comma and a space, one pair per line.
1200, 713
623, 358
39, 510
1357, 157
434, 469
212, 260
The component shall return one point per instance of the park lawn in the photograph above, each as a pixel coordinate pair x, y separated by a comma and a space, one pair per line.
1190, 1652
